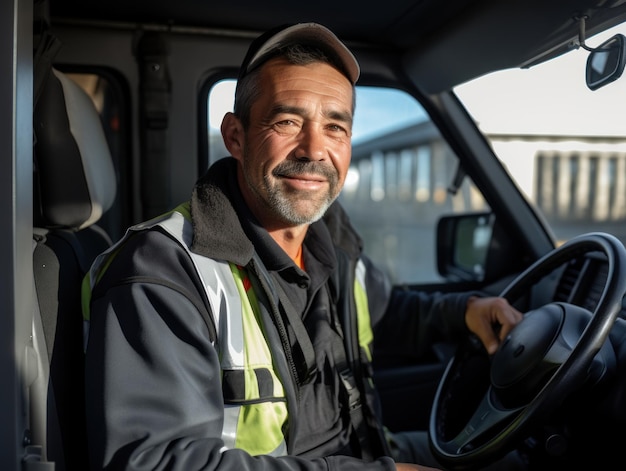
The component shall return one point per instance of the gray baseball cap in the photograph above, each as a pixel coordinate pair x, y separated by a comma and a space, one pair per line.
264, 47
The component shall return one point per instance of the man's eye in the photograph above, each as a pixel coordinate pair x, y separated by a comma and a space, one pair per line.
286, 126
337, 128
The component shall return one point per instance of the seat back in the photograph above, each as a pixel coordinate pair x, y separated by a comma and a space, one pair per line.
74, 184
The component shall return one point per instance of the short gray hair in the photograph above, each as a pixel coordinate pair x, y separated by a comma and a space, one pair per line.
248, 88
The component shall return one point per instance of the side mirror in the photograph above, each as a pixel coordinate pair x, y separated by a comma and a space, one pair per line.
605, 63
473, 247
462, 243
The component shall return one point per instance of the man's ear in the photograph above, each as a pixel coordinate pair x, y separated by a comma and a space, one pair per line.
232, 134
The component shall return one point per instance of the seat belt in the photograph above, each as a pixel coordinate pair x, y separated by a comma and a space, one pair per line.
354, 402
304, 361
302, 357
370, 434
154, 104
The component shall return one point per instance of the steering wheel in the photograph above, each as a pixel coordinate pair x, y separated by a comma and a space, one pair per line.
551, 352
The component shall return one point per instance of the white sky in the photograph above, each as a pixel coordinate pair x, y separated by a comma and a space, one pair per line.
553, 96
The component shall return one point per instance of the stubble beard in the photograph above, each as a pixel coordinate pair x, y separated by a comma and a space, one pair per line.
297, 208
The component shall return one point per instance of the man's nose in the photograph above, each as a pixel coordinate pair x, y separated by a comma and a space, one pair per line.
311, 144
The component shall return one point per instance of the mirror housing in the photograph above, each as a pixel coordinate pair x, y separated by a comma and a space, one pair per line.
474, 247
605, 63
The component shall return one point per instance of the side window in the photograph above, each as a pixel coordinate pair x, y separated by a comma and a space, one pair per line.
221, 99
397, 185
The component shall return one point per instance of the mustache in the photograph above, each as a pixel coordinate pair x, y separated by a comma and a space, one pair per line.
292, 168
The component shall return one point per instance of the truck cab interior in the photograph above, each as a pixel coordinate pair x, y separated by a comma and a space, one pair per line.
111, 112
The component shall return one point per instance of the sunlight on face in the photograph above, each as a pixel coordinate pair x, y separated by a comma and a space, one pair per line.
297, 147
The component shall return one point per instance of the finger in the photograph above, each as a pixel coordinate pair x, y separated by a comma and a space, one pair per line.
508, 319
488, 337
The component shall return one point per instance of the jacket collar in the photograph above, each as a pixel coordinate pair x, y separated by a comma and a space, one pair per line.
215, 202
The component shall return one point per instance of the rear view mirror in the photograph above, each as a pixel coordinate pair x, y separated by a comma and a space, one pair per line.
605, 63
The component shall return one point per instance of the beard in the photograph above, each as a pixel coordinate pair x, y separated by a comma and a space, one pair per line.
297, 207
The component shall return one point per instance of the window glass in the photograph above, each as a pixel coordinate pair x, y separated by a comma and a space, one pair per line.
564, 144
221, 99
397, 184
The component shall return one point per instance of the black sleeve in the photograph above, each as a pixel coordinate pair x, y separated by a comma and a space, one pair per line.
415, 320
407, 322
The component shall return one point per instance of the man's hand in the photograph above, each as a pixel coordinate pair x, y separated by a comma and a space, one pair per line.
491, 319
414, 467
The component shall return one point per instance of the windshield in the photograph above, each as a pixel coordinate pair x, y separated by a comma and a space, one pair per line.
564, 144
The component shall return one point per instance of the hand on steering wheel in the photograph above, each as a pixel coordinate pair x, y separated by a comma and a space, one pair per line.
546, 356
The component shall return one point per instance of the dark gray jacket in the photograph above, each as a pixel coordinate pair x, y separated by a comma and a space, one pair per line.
154, 398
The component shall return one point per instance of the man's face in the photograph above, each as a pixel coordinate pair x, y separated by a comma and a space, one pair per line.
296, 152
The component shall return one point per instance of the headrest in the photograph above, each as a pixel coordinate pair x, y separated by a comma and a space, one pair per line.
74, 179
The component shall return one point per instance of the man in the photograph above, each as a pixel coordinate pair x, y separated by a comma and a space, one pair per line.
236, 331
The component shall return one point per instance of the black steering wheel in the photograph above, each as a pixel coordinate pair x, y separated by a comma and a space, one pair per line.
554, 350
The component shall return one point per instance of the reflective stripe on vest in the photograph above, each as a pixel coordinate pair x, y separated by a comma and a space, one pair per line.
366, 335
255, 407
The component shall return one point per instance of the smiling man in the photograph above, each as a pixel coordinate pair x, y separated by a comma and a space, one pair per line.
293, 154
235, 332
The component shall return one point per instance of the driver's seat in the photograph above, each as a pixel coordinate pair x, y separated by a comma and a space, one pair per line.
74, 183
